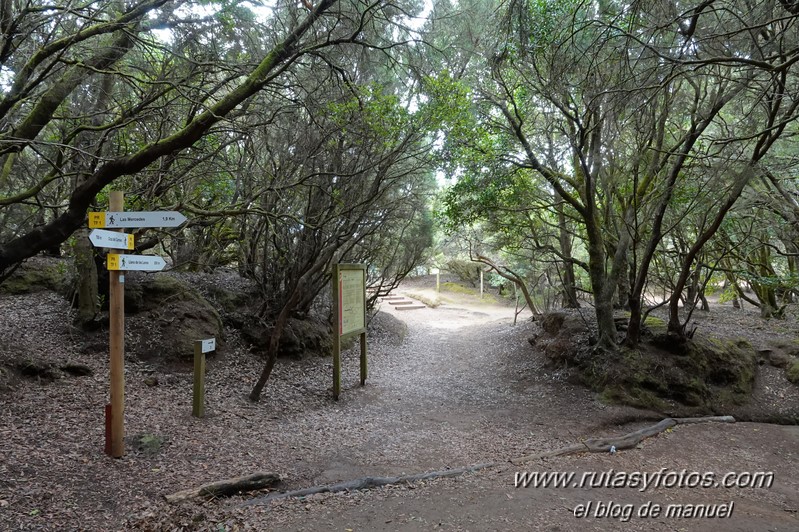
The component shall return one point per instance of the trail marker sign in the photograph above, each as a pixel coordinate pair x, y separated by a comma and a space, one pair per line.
117, 263
146, 263
121, 220
206, 346
201, 347
101, 238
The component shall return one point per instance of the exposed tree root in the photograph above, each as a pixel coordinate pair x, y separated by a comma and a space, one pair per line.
366, 483
628, 441
594, 445
226, 487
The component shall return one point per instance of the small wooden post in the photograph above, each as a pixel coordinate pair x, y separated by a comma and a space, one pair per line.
116, 302
336, 333
108, 429
481, 284
201, 347
438, 282
198, 400
363, 359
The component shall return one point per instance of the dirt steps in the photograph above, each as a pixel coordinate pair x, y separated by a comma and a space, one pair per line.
403, 303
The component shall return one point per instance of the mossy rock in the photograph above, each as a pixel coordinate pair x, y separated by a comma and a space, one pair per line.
703, 375
231, 301
147, 444
39, 274
301, 338
793, 372
169, 315
714, 374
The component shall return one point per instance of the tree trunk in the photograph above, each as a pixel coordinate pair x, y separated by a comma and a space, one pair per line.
602, 288
569, 281
512, 276
675, 326
623, 286
88, 301
271, 353
633, 335
322, 262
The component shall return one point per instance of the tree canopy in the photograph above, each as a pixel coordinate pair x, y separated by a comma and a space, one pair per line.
624, 154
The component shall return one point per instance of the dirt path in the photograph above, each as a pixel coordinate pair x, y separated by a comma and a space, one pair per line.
460, 391
462, 388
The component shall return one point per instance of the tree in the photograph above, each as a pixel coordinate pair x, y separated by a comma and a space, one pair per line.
624, 113
45, 67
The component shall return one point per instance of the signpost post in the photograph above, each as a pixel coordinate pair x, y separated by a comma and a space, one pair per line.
117, 264
349, 315
116, 315
201, 347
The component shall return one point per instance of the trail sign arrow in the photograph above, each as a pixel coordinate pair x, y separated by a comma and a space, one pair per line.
206, 346
135, 219
147, 263
111, 239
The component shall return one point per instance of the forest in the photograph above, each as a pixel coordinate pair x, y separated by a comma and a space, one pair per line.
634, 164
638, 155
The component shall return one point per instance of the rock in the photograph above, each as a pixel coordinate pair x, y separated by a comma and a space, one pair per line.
38, 370
300, 339
552, 322
170, 315
147, 444
779, 359
151, 381
38, 274
793, 372
663, 373
77, 370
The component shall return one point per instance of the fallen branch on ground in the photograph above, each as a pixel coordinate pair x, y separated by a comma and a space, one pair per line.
595, 445
628, 441
227, 487
366, 483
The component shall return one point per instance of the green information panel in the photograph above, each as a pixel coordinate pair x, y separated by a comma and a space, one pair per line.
351, 303
349, 315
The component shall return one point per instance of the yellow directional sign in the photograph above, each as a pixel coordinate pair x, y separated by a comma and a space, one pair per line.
96, 220
147, 263
112, 220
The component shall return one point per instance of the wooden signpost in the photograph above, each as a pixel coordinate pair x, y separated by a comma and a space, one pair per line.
201, 347
117, 264
349, 315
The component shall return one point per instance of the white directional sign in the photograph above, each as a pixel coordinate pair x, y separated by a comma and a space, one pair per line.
147, 263
135, 219
208, 345
111, 239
